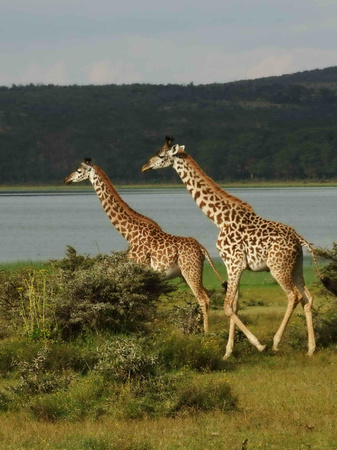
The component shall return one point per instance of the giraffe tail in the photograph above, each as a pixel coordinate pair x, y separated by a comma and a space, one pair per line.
206, 254
330, 284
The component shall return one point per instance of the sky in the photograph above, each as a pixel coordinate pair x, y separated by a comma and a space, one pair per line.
68, 42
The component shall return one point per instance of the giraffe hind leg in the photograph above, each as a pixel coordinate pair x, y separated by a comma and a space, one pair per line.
296, 291
307, 302
286, 282
192, 274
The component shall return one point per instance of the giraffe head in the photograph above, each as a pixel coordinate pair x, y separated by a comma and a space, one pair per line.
166, 156
84, 171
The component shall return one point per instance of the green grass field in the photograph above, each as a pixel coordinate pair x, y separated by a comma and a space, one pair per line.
284, 401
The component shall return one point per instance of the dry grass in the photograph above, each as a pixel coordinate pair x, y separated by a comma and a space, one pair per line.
285, 402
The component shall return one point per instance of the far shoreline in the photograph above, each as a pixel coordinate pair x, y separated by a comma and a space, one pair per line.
126, 186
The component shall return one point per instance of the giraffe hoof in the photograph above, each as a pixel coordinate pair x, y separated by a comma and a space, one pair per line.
261, 347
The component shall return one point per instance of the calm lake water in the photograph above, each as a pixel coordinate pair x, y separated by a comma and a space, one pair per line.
39, 226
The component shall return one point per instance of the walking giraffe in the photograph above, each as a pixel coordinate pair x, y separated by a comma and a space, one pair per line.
245, 241
148, 243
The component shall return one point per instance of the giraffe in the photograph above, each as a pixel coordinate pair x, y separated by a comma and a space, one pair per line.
148, 243
245, 242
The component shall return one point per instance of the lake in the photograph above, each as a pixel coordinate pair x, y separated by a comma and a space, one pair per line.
40, 225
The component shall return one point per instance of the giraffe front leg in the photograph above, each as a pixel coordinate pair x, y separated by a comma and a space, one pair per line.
231, 334
229, 308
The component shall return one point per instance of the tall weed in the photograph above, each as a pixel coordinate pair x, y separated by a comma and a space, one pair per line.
26, 298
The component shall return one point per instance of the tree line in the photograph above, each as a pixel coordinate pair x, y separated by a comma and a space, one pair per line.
276, 128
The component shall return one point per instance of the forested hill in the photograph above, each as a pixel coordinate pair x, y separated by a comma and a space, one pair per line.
272, 128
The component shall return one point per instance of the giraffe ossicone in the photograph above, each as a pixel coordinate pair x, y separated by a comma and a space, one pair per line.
148, 243
245, 241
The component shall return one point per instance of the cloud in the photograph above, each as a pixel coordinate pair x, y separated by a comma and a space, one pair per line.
282, 61
55, 73
106, 72
161, 61
271, 65
325, 3
330, 23
300, 28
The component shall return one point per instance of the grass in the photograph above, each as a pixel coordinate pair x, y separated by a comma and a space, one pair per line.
16, 265
284, 400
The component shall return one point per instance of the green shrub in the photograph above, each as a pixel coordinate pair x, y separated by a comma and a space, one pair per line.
195, 352
35, 379
84, 398
325, 327
79, 356
79, 295
49, 408
125, 358
329, 270
113, 293
169, 395
4, 401
14, 351
325, 324
188, 317
205, 394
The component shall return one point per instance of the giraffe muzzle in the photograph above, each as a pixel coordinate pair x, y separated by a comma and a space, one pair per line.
67, 180
146, 167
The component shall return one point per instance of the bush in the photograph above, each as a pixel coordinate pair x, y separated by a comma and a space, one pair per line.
113, 293
205, 394
196, 352
325, 324
124, 359
35, 379
188, 317
329, 271
79, 295
13, 351
170, 395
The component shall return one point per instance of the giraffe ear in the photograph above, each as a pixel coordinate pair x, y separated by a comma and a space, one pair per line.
175, 149
168, 141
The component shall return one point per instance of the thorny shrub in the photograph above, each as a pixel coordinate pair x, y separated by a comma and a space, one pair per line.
187, 317
36, 379
124, 359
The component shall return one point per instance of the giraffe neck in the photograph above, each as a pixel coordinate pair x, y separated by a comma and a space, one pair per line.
217, 204
127, 221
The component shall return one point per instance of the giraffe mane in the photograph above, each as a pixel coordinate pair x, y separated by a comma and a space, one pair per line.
125, 205
215, 187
